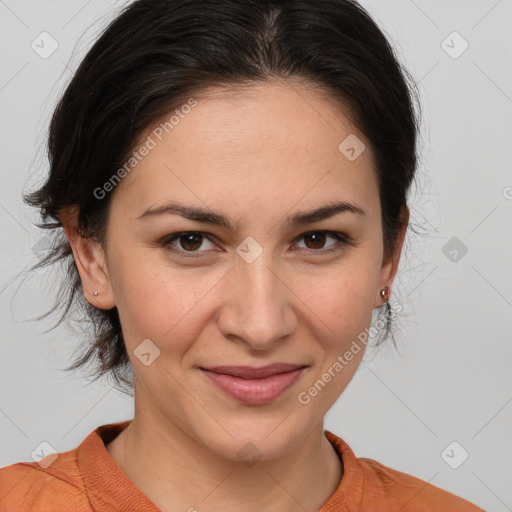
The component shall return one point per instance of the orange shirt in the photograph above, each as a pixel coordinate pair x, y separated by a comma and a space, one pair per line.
86, 479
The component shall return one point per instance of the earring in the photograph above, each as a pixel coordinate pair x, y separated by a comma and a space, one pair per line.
384, 293
95, 294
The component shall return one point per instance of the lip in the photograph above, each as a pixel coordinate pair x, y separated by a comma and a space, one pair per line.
254, 386
251, 372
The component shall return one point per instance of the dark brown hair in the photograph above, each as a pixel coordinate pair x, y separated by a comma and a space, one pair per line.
157, 53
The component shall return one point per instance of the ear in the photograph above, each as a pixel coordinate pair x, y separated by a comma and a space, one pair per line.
90, 260
390, 267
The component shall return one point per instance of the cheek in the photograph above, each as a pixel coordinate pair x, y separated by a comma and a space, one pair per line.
159, 302
340, 313
341, 297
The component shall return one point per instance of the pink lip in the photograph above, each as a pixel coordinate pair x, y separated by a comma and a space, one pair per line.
254, 386
250, 372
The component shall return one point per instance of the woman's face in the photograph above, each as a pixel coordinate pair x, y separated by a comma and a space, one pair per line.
258, 288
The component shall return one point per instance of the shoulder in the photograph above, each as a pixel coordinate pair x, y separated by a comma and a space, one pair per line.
29, 486
369, 485
411, 494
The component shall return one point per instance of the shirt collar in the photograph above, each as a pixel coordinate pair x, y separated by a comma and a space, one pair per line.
110, 490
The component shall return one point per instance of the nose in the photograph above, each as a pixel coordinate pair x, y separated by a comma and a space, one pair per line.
256, 307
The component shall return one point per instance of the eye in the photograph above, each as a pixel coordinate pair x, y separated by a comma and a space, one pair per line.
188, 242
317, 238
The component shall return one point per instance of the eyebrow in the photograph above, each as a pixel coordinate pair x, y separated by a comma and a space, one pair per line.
206, 216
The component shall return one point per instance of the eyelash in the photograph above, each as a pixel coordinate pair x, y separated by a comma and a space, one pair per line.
340, 237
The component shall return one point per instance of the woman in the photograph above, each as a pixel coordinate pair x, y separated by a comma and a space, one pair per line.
231, 177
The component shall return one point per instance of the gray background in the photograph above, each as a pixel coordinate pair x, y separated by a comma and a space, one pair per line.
449, 381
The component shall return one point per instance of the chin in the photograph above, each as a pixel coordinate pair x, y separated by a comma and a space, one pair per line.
252, 440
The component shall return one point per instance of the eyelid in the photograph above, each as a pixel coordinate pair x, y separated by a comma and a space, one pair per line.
342, 239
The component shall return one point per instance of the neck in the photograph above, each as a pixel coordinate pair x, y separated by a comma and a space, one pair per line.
176, 472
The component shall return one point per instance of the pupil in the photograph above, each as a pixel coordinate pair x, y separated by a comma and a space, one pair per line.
188, 238
320, 242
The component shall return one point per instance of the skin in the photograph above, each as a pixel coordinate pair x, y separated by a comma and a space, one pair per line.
257, 155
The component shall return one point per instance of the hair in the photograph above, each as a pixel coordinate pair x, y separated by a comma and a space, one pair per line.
158, 53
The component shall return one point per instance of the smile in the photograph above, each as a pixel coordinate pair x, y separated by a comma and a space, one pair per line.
257, 390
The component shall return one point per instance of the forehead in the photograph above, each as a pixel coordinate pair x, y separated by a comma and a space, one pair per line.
255, 144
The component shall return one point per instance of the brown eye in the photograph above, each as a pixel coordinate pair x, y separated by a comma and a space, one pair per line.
191, 242
186, 242
315, 241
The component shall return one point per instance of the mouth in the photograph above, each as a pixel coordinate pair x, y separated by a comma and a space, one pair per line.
254, 386
250, 372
